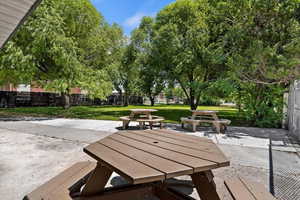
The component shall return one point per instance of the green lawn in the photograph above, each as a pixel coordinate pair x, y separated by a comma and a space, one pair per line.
172, 113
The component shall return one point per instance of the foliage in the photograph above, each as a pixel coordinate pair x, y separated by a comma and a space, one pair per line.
64, 46
262, 48
152, 78
189, 46
15, 67
262, 106
260, 41
129, 72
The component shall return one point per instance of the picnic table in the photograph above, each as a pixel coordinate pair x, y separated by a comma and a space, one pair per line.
148, 158
206, 116
210, 113
147, 112
142, 116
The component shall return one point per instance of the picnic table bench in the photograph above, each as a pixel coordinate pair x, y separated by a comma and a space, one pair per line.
58, 188
242, 189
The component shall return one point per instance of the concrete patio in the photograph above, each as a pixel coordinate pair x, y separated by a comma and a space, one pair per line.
34, 150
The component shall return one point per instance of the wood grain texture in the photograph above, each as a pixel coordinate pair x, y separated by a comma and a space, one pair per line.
147, 156
205, 185
238, 189
195, 163
220, 159
169, 168
59, 185
134, 171
97, 181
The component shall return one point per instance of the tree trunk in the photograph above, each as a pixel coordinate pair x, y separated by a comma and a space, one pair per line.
65, 100
120, 96
193, 104
126, 99
152, 100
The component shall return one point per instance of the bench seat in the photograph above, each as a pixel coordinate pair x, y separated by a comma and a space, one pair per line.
125, 120
242, 189
157, 120
61, 185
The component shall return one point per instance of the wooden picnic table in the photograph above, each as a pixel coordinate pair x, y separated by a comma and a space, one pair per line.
147, 112
146, 159
210, 113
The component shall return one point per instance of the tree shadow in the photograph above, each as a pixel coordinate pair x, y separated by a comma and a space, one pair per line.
183, 186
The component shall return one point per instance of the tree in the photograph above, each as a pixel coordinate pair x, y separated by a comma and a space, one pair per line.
189, 47
65, 44
152, 79
118, 46
129, 72
262, 38
15, 67
262, 44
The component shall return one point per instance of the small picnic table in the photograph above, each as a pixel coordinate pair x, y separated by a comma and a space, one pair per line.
206, 116
211, 113
147, 112
146, 159
142, 116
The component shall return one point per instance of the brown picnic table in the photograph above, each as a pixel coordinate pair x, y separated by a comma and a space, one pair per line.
146, 159
147, 112
142, 116
206, 116
210, 113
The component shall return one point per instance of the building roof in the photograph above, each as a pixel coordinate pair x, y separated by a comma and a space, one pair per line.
12, 14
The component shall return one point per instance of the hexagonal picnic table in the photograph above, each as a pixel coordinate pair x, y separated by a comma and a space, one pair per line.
146, 159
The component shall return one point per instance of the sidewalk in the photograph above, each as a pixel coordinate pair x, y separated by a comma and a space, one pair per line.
34, 151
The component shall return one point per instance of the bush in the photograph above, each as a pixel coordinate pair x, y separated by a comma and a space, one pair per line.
209, 101
263, 105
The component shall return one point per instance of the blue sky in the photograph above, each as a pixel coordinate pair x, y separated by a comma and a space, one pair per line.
128, 13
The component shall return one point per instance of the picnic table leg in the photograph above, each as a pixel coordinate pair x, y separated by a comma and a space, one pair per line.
215, 117
217, 126
194, 127
125, 124
97, 180
141, 125
161, 125
194, 116
205, 185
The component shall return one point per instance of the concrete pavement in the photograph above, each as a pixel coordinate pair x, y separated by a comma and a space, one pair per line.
34, 151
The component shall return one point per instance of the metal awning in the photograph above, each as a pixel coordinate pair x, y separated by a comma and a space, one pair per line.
12, 14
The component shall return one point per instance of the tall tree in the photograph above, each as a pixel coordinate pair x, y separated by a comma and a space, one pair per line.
65, 43
130, 72
152, 79
188, 52
263, 38
263, 48
118, 46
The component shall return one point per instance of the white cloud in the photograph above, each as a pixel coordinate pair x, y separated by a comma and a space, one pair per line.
134, 20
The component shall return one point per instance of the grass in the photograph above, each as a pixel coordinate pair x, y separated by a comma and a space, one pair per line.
172, 113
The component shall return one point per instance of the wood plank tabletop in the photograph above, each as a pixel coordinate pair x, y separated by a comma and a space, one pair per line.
155, 155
